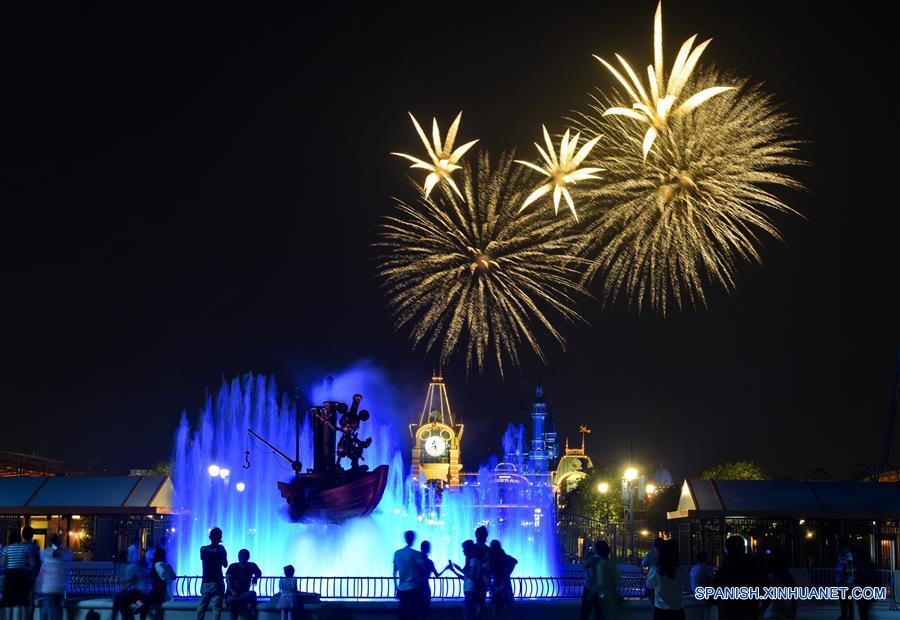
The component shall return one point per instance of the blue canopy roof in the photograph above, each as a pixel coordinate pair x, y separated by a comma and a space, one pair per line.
86, 494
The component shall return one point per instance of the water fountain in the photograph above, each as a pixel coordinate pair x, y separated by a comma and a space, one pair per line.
224, 477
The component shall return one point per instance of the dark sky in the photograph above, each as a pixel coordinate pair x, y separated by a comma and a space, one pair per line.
192, 195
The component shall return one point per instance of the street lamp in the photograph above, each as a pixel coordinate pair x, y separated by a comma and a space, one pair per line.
650, 489
603, 487
632, 484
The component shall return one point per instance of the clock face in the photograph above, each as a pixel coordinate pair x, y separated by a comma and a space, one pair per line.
435, 446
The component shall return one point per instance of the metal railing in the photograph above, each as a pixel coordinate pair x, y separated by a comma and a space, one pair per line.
374, 588
105, 582
99, 582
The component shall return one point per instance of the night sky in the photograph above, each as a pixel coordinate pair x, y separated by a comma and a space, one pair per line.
193, 195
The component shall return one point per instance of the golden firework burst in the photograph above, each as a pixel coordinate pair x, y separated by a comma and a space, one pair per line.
661, 230
653, 106
465, 273
444, 160
562, 170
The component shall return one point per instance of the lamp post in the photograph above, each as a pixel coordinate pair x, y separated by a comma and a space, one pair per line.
632, 484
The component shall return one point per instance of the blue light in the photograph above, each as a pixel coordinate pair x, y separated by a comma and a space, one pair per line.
253, 519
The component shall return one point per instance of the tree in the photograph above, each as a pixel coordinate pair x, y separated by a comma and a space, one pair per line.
586, 500
162, 468
739, 470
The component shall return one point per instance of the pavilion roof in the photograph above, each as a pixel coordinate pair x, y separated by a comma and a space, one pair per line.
86, 495
788, 499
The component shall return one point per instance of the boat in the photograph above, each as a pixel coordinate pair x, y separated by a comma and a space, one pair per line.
328, 493
334, 497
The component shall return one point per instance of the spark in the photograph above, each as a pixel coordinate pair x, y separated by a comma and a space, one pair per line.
562, 170
444, 160
470, 275
662, 230
653, 106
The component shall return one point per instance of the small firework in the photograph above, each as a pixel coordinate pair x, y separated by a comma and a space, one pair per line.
663, 229
562, 170
469, 275
444, 160
656, 108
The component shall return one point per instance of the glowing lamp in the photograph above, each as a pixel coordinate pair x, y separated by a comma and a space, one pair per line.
603, 487
240, 486
650, 489
224, 473
631, 474
213, 470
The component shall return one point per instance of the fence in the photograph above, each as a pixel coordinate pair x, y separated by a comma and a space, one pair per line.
104, 582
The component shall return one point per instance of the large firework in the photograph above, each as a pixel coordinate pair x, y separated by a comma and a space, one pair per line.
469, 275
654, 105
662, 230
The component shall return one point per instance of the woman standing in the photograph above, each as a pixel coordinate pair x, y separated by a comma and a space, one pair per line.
161, 577
668, 603
472, 576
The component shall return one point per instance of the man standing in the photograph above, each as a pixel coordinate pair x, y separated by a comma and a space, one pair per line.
28, 538
409, 573
239, 579
601, 584
739, 570
482, 549
212, 586
15, 560
845, 575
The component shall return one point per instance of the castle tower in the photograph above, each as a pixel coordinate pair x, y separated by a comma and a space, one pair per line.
539, 457
436, 439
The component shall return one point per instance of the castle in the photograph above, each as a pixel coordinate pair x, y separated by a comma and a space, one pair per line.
531, 464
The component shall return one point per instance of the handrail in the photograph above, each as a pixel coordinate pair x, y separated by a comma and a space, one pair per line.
103, 582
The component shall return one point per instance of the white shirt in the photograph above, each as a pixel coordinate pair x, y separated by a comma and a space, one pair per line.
701, 576
666, 591
409, 568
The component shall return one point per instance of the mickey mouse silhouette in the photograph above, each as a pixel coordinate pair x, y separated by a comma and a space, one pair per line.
350, 446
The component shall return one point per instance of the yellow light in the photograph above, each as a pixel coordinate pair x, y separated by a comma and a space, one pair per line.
76, 517
645, 532
655, 105
603, 487
631, 474
650, 489
562, 170
443, 156
802, 521
809, 534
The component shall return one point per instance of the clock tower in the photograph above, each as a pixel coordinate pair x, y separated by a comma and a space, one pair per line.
435, 452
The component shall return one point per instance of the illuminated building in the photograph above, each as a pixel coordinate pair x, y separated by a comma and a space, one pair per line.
572, 466
436, 440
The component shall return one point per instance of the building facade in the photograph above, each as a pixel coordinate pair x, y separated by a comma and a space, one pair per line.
436, 440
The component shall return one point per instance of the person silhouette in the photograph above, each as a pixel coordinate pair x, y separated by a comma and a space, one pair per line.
500, 566
214, 558
429, 571
409, 573
239, 581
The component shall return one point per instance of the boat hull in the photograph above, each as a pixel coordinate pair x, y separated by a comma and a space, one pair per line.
334, 497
